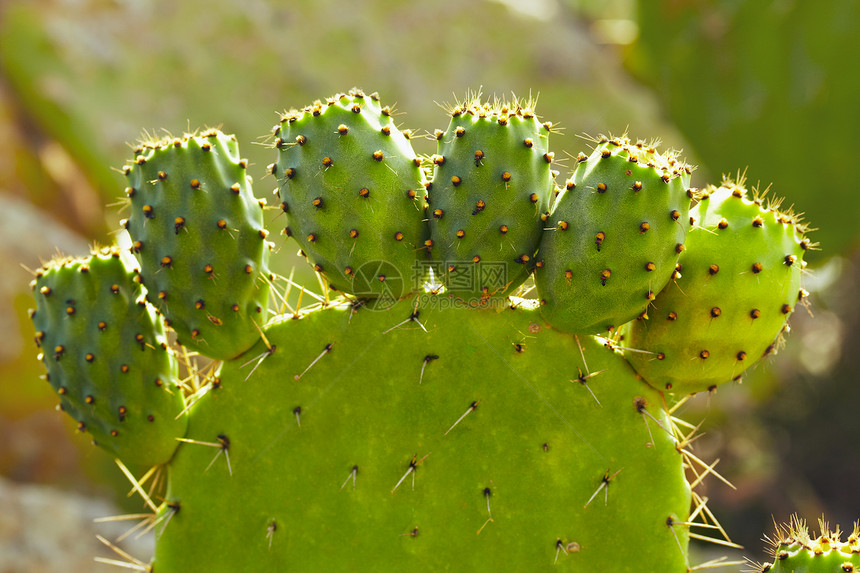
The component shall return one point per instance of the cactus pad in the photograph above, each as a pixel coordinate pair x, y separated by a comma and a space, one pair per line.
492, 182
615, 235
739, 282
198, 233
353, 192
107, 356
473, 450
796, 551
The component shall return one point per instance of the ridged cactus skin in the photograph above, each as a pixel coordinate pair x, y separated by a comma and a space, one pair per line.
404, 424
107, 357
613, 236
348, 176
492, 182
508, 448
197, 230
740, 280
795, 551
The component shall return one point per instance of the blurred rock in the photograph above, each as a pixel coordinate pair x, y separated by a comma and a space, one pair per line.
44, 530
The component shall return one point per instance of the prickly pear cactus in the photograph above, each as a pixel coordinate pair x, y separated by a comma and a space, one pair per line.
416, 415
795, 550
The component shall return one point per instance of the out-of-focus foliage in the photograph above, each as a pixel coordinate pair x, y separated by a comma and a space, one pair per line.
768, 84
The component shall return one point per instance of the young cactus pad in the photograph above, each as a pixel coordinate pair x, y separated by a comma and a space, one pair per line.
107, 357
616, 231
406, 425
348, 176
739, 281
492, 182
794, 550
197, 230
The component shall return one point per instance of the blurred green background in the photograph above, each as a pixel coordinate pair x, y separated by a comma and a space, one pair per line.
764, 86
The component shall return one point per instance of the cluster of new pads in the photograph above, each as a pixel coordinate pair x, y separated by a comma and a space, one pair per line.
461, 394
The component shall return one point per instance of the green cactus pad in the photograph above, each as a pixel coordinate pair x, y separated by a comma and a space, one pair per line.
795, 551
615, 235
739, 282
198, 233
353, 191
107, 358
479, 443
492, 183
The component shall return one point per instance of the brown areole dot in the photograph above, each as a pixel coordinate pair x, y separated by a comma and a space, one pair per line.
604, 275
